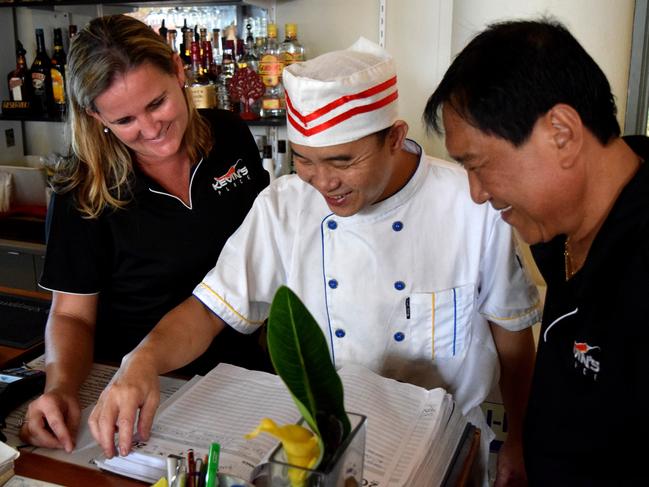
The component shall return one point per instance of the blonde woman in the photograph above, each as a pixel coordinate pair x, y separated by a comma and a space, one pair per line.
144, 204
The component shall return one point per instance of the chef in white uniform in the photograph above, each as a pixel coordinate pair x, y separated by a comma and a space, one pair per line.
382, 243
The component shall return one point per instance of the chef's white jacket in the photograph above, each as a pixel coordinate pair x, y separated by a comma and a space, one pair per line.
404, 287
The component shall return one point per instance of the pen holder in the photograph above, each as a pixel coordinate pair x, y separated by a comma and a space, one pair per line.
224, 480
345, 469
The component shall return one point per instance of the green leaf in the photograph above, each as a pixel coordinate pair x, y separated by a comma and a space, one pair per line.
300, 355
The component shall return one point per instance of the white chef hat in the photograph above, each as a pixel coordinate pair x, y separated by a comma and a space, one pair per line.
341, 96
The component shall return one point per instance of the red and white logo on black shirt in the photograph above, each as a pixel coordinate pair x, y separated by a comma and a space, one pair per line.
586, 358
232, 178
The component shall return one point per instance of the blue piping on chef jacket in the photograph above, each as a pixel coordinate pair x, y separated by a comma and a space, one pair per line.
324, 283
454, 319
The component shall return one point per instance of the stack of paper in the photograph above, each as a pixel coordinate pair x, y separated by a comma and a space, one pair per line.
412, 433
86, 449
7, 457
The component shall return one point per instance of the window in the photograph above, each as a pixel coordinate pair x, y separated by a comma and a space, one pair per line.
637, 111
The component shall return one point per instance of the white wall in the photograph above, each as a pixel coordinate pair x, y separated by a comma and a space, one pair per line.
423, 35
417, 35
602, 27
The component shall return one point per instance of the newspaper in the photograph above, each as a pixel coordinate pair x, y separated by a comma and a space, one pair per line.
86, 449
407, 434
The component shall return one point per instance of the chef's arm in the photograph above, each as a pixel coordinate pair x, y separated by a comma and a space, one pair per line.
182, 335
516, 354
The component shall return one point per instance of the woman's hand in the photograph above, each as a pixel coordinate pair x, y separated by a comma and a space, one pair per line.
134, 387
52, 421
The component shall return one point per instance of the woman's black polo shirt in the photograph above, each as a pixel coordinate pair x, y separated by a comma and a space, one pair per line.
147, 258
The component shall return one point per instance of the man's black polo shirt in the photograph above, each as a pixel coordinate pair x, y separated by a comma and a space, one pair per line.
586, 422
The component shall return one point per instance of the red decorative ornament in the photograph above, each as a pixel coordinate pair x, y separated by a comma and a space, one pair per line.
246, 86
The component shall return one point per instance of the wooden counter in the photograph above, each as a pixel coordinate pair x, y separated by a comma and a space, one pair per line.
50, 470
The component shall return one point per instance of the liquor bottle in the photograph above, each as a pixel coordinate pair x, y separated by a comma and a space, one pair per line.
249, 58
58, 74
72, 31
172, 36
186, 45
260, 43
163, 31
228, 65
217, 46
18, 79
291, 51
197, 37
210, 67
41, 78
203, 43
203, 92
270, 70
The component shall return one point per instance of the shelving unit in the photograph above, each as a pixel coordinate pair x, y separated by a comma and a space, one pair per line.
43, 135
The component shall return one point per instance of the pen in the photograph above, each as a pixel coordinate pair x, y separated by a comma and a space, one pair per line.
203, 472
191, 469
213, 466
198, 466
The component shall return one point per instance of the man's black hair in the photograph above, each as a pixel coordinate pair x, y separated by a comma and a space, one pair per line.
514, 72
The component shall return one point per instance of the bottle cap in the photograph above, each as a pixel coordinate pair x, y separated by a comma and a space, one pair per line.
268, 152
291, 30
281, 146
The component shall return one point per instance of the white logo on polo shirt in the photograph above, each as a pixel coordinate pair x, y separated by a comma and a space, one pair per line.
231, 177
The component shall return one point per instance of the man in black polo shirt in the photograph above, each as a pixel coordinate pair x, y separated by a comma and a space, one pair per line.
531, 116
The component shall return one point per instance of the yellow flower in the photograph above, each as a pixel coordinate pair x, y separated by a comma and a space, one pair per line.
300, 444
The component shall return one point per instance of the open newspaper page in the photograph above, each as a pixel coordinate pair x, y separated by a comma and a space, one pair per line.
222, 407
86, 448
403, 421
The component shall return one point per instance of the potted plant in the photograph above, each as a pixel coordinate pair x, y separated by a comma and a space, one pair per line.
325, 448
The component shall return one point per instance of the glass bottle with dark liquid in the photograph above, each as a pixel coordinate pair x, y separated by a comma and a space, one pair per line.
18, 79
41, 78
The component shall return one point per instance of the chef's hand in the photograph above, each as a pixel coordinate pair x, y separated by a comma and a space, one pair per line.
511, 466
134, 387
52, 420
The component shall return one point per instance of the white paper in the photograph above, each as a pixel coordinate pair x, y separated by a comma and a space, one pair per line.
86, 448
404, 423
401, 418
20, 481
222, 407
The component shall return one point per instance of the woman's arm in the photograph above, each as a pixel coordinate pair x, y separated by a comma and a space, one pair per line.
52, 420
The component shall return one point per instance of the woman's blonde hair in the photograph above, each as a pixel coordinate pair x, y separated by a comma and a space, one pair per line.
100, 167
